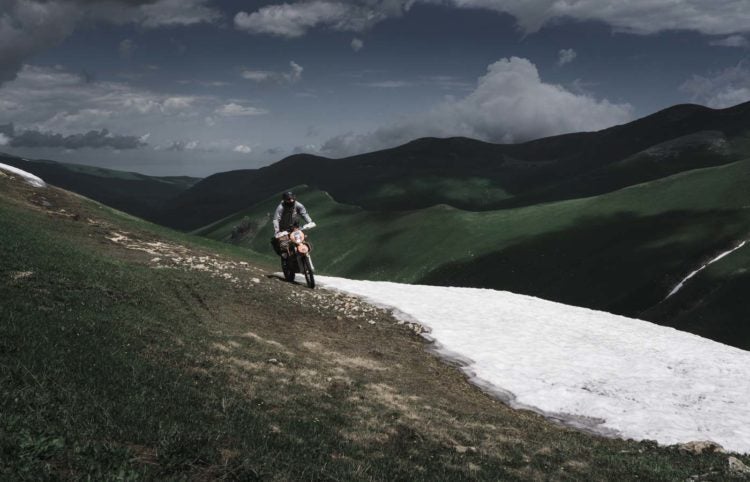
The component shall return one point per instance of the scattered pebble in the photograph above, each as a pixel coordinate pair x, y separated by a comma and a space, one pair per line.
701, 446
736, 466
22, 275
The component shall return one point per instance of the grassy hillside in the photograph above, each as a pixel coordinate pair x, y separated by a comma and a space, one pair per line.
480, 176
137, 194
128, 351
621, 252
713, 303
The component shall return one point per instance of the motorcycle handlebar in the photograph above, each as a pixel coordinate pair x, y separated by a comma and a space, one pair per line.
307, 226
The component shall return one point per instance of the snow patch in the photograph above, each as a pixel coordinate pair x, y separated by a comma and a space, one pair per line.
28, 177
684, 280
593, 370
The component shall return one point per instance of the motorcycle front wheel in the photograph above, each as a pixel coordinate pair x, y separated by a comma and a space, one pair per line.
287, 270
309, 275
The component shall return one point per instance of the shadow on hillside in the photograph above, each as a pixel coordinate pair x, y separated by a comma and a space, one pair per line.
624, 263
711, 307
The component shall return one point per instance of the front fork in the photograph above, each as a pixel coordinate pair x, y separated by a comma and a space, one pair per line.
301, 265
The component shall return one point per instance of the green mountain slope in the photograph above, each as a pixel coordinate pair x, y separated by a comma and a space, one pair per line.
621, 252
713, 303
131, 352
137, 194
476, 176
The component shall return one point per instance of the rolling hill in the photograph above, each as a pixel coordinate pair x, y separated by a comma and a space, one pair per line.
137, 194
621, 252
611, 220
130, 351
479, 176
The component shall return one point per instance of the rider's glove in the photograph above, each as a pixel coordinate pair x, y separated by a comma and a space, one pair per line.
309, 225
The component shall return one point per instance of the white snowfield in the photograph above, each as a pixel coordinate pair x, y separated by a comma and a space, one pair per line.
594, 370
28, 177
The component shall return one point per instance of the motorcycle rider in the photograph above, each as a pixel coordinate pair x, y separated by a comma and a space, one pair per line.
287, 216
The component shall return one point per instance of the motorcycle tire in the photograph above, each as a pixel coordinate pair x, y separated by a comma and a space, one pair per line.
287, 270
309, 274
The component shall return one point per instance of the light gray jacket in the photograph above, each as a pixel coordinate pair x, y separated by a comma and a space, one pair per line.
284, 217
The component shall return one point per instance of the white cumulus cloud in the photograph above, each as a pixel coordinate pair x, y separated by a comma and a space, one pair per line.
721, 89
566, 56
237, 110
357, 44
510, 103
180, 146
177, 104
53, 100
292, 76
126, 48
177, 12
737, 41
387, 84
243, 149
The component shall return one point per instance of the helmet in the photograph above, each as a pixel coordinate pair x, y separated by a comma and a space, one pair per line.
288, 198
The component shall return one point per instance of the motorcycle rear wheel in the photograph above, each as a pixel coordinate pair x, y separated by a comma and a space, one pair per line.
309, 274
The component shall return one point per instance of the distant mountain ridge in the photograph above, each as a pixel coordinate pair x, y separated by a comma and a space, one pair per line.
475, 175
136, 194
460, 172
610, 220
622, 252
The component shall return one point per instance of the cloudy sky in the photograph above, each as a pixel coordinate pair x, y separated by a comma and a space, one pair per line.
199, 86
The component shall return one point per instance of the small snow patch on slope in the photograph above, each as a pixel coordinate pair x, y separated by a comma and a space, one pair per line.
685, 280
28, 177
591, 369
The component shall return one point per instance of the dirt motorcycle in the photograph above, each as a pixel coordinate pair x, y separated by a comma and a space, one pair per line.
295, 254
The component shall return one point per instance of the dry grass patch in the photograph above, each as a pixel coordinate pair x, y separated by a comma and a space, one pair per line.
337, 358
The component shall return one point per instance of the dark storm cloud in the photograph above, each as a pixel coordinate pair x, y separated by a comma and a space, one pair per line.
133, 3
7, 130
28, 27
92, 139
